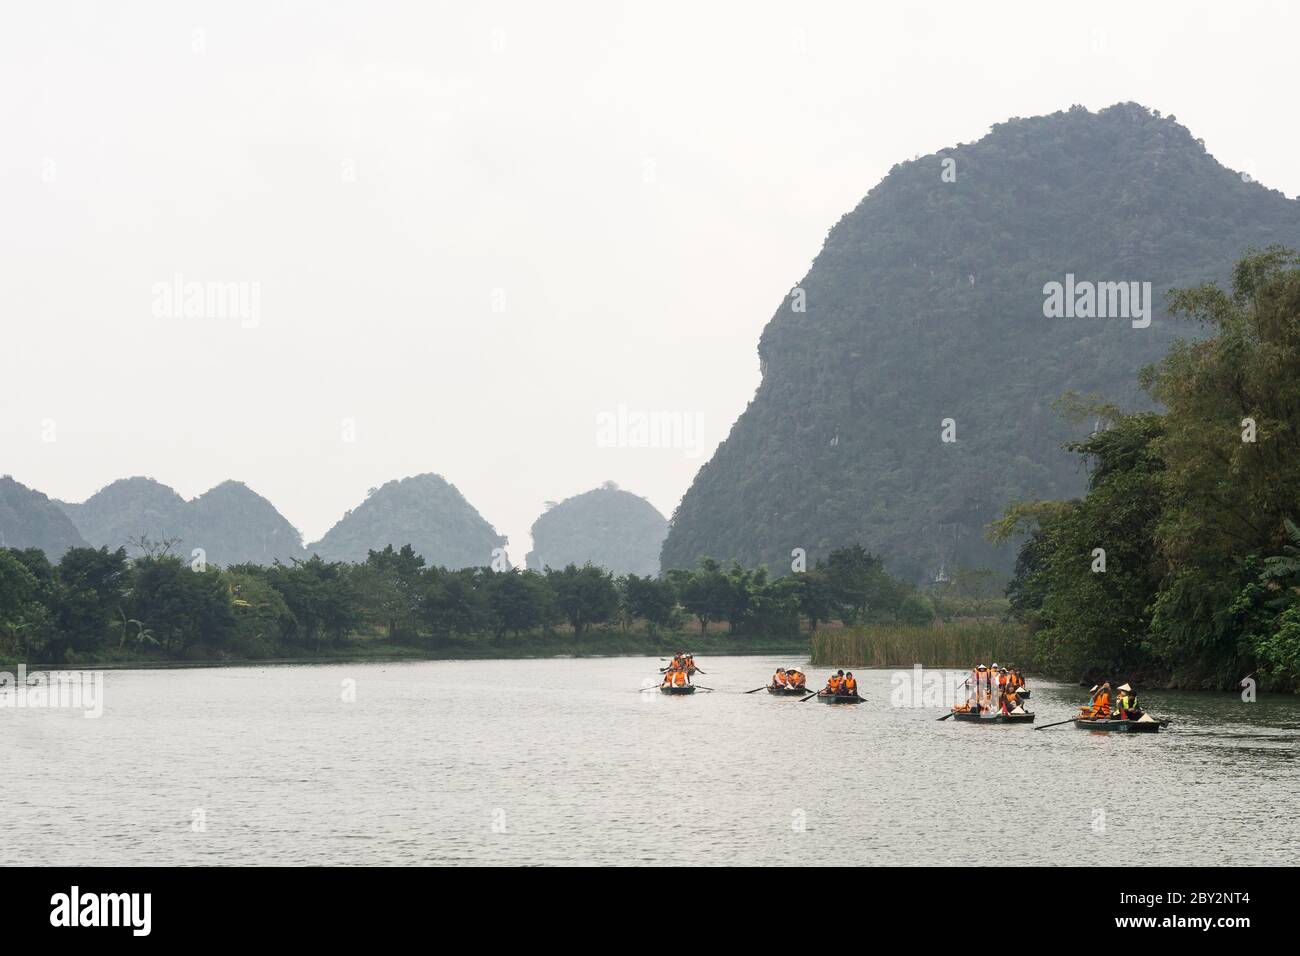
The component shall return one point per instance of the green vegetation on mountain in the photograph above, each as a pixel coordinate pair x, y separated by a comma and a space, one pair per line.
424, 511
606, 526
1182, 561
927, 303
230, 523
28, 519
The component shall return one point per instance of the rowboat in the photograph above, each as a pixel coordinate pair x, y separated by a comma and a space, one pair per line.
974, 718
839, 698
1116, 725
671, 689
787, 691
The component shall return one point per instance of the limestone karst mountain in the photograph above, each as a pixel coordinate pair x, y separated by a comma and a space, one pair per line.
926, 305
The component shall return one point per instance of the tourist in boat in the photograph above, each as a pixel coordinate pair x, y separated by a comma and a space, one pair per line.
779, 679
850, 685
833, 684
1126, 704
1100, 709
676, 678
796, 677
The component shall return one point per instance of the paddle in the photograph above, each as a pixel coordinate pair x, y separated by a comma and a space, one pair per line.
810, 696
947, 715
1057, 724
702, 687
757, 689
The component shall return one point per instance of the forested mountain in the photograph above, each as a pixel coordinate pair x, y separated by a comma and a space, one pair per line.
234, 525
231, 523
608, 527
122, 512
927, 302
28, 519
424, 511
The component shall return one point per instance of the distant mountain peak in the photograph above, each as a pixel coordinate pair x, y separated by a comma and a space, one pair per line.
425, 511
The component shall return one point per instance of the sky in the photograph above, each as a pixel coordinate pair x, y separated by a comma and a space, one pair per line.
487, 239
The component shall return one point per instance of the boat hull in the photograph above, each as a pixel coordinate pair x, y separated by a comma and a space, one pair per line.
839, 698
1119, 726
688, 689
787, 691
970, 718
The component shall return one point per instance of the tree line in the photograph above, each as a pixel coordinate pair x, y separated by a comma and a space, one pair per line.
96, 604
1182, 561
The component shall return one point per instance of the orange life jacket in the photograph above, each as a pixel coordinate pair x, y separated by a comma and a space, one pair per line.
1101, 706
679, 679
780, 680
850, 685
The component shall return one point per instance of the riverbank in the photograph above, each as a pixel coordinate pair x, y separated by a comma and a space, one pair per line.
612, 643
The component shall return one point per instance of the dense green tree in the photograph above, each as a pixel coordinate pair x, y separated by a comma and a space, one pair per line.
321, 598
517, 601
180, 606
585, 595
651, 600
90, 587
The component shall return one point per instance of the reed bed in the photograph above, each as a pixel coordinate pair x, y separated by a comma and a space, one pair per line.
960, 644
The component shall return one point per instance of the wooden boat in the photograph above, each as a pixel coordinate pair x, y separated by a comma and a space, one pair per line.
838, 698
1116, 725
788, 691
973, 718
683, 689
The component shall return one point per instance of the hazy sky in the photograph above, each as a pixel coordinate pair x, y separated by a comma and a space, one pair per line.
467, 230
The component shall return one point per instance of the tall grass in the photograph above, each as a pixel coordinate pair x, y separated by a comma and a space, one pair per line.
960, 644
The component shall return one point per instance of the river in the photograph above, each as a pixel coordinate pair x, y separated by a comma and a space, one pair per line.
565, 761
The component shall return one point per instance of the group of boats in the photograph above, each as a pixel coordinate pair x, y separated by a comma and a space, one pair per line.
996, 695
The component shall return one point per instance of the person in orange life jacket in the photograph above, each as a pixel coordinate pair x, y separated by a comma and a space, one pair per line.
850, 685
1101, 703
779, 679
834, 683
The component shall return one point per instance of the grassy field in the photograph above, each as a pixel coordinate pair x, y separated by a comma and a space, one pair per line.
960, 644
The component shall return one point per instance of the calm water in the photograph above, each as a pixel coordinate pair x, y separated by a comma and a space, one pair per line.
565, 762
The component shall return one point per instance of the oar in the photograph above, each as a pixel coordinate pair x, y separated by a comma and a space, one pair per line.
810, 696
702, 687
757, 689
1057, 724
947, 715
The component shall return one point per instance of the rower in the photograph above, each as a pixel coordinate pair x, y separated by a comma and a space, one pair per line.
1101, 703
1126, 704
796, 677
833, 683
779, 679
